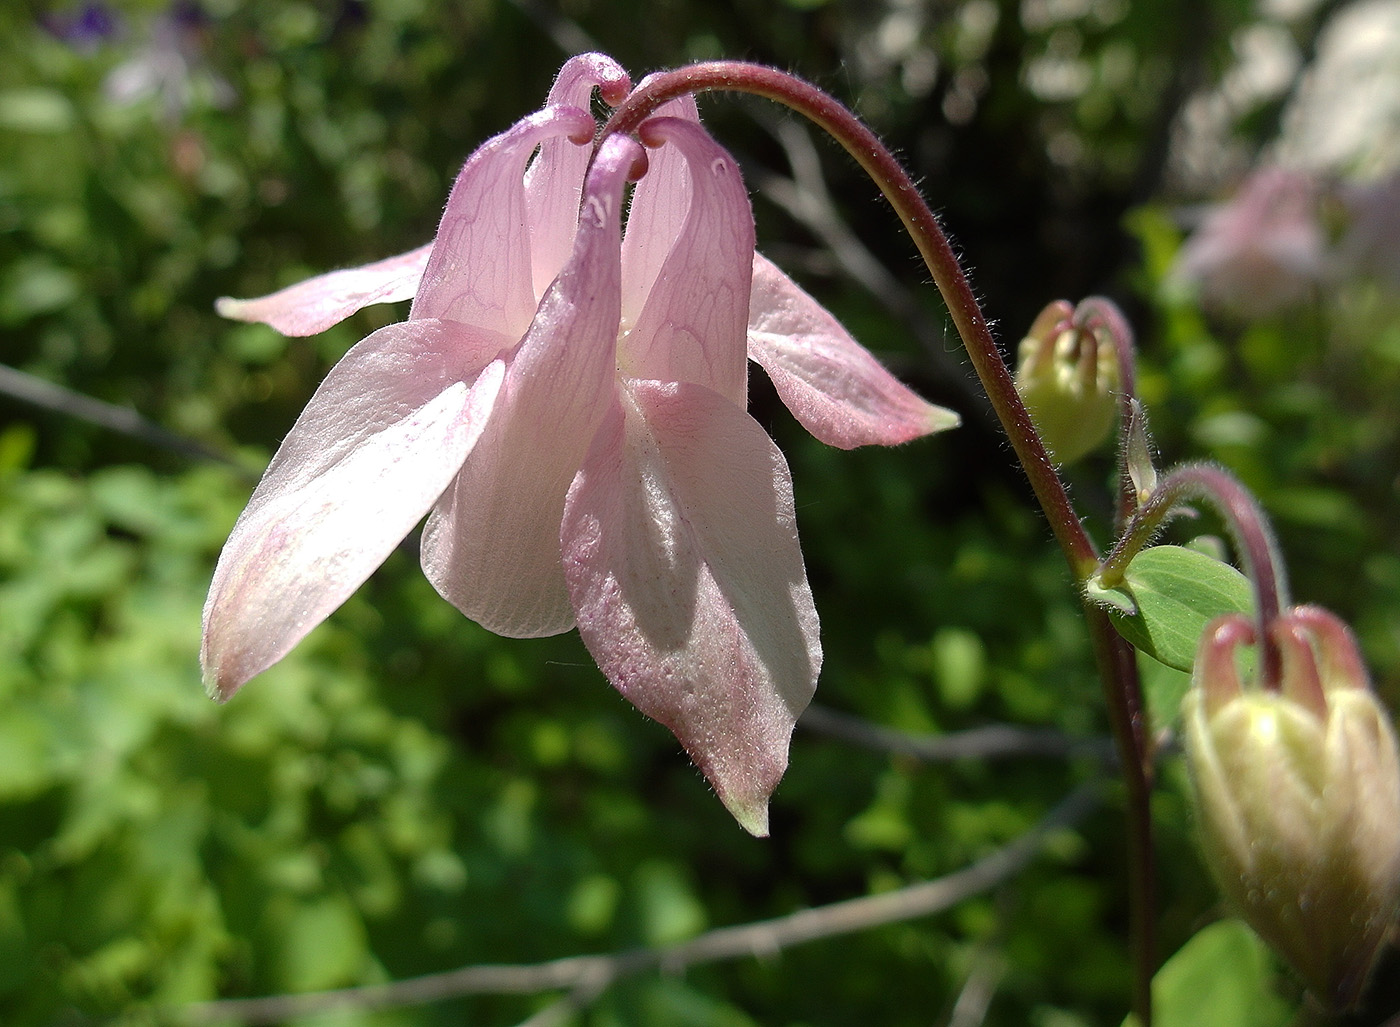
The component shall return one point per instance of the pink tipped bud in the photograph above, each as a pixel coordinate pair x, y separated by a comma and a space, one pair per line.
1067, 377
1298, 795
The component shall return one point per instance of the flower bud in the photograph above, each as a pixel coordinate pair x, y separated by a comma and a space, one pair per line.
1298, 795
1067, 377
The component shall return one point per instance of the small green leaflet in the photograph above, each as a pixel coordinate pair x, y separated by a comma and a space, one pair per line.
1167, 597
1223, 975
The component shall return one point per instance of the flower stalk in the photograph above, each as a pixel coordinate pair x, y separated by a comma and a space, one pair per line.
1102, 317
1249, 531
1115, 658
933, 245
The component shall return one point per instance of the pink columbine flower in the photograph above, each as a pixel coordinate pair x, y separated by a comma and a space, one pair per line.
1263, 250
567, 404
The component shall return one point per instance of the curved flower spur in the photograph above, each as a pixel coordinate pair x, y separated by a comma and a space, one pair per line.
567, 404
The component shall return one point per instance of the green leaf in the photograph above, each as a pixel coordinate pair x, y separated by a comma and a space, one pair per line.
323, 945
669, 910
1223, 975
1176, 592
1163, 688
960, 662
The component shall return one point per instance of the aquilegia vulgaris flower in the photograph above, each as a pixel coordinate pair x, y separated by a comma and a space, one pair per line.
567, 404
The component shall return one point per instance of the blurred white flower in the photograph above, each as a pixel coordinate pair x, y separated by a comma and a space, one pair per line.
170, 67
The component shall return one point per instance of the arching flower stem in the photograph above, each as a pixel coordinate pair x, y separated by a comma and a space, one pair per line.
1101, 316
922, 225
1115, 658
1250, 533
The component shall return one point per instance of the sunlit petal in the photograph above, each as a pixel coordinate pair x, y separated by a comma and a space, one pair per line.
479, 270
317, 303
383, 379
692, 326
491, 547
659, 205
380, 440
830, 382
554, 181
681, 555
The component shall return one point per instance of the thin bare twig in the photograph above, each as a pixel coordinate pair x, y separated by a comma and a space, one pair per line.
975, 998
61, 400
996, 741
559, 1011
586, 977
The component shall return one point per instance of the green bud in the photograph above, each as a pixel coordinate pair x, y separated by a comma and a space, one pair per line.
1067, 378
1137, 453
1298, 795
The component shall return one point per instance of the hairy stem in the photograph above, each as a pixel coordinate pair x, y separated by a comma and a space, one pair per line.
1249, 531
899, 189
1115, 658
1100, 315
1127, 714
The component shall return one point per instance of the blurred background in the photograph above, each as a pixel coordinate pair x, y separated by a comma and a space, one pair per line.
407, 794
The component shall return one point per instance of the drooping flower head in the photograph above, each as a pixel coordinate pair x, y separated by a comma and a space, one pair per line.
1068, 378
1298, 795
567, 405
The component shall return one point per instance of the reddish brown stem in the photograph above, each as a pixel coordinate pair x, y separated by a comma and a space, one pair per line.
1249, 531
1115, 658
933, 245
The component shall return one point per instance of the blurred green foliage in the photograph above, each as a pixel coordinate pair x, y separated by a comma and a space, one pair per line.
405, 793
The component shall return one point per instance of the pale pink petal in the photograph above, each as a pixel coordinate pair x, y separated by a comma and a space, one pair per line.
479, 271
659, 205
1263, 250
830, 382
692, 327
681, 555
374, 449
554, 181
491, 547
314, 305
574, 85
380, 381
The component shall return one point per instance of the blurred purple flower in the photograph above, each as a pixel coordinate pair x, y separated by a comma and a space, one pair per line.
1370, 245
84, 29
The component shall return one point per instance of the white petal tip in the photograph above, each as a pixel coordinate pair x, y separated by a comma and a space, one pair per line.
227, 306
752, 816
941, 419
221, 691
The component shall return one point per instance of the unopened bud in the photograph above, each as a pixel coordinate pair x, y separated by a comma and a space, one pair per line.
1067, 378
1298, 794
1137, 453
